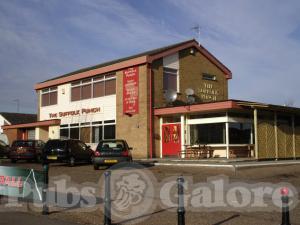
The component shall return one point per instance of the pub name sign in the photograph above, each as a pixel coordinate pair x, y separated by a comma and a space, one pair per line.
74, 112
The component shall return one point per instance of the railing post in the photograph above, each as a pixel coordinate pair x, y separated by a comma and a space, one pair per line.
45, 188
285, 207
107, 199
180, 210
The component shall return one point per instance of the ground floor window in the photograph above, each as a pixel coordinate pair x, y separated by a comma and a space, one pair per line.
240, 133
89, 132
207, 133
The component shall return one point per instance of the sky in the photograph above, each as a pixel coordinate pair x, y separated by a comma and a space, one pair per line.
259, 41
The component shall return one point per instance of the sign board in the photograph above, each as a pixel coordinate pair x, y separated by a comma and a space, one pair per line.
131, 91
21, 183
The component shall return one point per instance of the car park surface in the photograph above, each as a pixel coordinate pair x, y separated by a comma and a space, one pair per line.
83, 174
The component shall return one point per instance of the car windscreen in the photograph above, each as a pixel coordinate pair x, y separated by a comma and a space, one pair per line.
23, 144
111, 146
55, 144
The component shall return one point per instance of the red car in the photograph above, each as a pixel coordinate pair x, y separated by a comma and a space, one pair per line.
26, 150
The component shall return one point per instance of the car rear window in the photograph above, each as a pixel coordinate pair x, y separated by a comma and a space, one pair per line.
55, 144
111, 145
23, 144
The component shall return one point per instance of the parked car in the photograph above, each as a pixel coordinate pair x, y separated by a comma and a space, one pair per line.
26, 150
110, 152
4, 149
70, 151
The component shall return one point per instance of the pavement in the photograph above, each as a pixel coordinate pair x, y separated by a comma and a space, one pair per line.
14, 218
219, 163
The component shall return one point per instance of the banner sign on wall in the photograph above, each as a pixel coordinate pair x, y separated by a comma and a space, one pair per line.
131, 91
22, 183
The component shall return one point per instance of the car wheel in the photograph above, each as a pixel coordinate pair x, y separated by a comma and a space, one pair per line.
72, 161
96, 167
13, 160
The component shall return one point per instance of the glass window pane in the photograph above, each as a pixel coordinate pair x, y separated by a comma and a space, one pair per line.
240, 133
101, 77
170, 79
107, 76
85, 134
75, 93
53, 98
208, 133
74, 133
64, 133
98, 89
110, 87
86, 91
45, 99
97, 134
109, 132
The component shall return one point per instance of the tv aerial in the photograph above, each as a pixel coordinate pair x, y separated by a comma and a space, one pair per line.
170, 96
190, 95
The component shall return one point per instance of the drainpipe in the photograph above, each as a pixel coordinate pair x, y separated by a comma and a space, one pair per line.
150, 112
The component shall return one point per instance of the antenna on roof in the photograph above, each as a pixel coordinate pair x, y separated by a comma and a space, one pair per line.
197, 30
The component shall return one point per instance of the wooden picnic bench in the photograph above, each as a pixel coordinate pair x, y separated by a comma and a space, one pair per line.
196, 152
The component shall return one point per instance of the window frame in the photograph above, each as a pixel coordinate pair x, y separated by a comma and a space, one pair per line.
49, 91
173, 74
92, 81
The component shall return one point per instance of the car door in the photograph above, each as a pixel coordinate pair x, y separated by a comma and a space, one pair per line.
84, 150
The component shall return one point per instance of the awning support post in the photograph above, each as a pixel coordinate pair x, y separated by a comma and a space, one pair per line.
255, 133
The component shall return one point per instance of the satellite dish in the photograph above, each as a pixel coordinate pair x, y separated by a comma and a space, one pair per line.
189, 91
190, 96
170, 95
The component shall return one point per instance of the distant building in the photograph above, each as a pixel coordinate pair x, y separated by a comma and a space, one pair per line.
162, 102
8, 118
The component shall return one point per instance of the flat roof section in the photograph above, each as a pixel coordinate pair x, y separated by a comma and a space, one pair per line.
30, 125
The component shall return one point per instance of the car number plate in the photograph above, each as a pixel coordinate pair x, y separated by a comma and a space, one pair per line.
110, 161
52, 157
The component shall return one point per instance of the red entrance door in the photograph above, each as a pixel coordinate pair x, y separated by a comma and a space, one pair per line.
171, 139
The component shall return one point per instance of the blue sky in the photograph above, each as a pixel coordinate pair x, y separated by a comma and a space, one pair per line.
258, 40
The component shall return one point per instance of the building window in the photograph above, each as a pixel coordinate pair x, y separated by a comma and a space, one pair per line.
206, 76
89, 132
208, 133
170, 79
98, 86
240, 133
109, 131
49, 96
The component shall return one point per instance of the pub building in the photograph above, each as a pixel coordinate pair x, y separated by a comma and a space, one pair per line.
163, 102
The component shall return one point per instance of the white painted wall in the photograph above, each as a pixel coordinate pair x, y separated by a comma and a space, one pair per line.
107, 106
2, 122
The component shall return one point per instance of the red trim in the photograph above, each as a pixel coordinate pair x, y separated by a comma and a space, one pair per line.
36, 124
134, 62
90, 73
213, 106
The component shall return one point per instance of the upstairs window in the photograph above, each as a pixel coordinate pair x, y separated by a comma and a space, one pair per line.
206, 76
98, 86
170, 79
49, 96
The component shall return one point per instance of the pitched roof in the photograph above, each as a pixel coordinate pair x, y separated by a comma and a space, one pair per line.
18, 118
149, 52
144, 57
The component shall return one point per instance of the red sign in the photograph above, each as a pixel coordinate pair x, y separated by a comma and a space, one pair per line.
171, 139
131, 91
